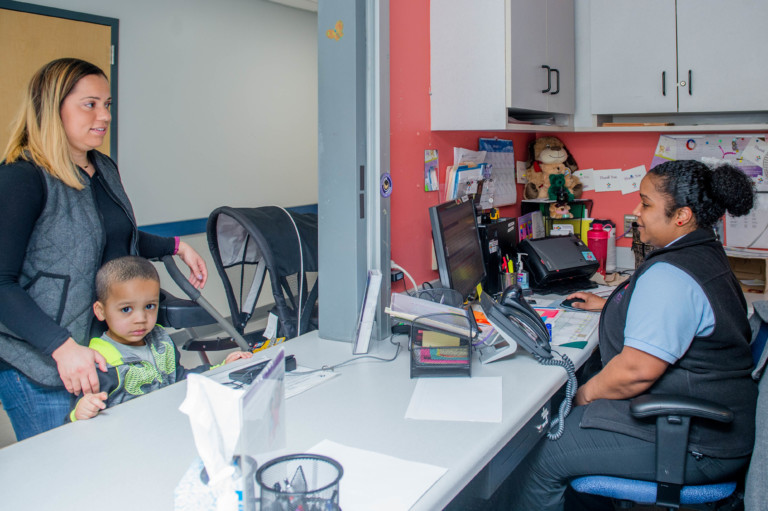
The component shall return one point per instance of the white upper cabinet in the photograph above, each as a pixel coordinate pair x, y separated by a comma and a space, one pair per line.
721, 43
541, 56
491, 56
560, 43
683, 56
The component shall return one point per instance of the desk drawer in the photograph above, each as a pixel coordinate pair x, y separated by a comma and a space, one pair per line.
498, 469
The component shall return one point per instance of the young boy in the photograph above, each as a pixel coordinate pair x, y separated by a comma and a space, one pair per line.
140, 354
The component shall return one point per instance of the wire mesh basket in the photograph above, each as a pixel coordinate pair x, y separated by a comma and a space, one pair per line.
451, 355
306, 482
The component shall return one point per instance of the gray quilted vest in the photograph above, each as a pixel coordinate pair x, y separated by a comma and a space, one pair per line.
63, 254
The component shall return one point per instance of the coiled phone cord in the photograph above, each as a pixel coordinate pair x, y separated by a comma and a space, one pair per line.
558, 423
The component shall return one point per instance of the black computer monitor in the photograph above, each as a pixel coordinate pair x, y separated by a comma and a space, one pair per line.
457, 246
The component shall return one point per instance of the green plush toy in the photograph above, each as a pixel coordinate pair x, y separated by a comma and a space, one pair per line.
557, 189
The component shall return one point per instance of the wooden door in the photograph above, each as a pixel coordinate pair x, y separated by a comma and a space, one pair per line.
29, 40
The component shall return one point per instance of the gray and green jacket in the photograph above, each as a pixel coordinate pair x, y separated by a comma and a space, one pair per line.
128, 376
63, 254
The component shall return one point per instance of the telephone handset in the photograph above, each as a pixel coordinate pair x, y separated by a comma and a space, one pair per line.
517, 323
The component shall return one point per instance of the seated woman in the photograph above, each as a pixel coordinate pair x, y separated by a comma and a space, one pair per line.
678, 326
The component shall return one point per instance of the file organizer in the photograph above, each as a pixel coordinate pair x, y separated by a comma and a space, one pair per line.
431, 359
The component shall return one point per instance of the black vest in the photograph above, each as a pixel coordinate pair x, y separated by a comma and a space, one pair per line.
63, 254
715, 367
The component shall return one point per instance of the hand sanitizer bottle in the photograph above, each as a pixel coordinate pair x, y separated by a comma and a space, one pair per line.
522, 275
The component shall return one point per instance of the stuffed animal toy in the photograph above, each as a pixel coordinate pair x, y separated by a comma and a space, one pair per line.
560, 210
557, 190
548, 155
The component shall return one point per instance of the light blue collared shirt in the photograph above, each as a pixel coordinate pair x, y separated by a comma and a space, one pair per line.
667, 310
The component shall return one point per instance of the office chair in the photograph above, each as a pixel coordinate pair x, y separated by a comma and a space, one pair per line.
673, 417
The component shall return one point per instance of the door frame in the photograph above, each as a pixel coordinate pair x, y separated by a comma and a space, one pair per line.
113, 23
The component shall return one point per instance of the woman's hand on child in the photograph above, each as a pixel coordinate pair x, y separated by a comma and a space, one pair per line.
77, 367
90, 405
237, 355
196, 264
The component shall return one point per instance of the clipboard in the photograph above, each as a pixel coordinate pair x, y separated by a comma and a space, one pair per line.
367, 313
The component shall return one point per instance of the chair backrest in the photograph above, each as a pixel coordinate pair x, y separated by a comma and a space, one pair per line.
758, 323
249, 244
756, 488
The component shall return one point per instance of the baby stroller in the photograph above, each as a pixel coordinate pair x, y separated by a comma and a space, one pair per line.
247, 244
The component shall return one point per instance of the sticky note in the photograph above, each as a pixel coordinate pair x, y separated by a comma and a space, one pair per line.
430, 339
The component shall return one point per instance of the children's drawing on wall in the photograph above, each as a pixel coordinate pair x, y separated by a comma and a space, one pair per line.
431, 164
747, 152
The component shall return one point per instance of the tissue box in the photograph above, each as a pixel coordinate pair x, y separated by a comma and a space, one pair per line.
749, 267
192, 494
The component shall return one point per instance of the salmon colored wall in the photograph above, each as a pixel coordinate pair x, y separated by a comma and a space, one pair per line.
410, 135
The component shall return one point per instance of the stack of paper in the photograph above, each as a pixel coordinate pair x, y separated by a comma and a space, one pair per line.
465, 180
430, 314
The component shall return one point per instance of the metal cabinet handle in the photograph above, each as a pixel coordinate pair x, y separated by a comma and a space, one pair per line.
557, 75
549, 78
690, 82
663, 83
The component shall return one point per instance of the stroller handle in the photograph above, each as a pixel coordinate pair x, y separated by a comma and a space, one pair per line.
194, 295
191, 291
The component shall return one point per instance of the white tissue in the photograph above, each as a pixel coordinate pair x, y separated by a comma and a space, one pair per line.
214, 415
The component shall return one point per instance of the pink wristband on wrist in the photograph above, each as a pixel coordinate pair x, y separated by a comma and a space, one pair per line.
176, 240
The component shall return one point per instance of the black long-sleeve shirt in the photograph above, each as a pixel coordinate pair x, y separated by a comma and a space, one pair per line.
22, 198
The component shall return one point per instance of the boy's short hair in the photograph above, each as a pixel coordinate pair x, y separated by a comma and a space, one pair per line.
123, 269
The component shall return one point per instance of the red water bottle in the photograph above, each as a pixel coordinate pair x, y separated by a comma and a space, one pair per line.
597, 242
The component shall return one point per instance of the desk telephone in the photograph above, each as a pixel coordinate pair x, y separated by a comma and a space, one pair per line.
518, 324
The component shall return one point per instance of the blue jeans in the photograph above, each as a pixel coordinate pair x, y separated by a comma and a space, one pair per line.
32, 409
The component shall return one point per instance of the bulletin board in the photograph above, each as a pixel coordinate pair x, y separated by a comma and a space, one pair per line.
749, 231
746, 152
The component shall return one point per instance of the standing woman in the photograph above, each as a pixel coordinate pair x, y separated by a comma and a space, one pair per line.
63, 213
678, 326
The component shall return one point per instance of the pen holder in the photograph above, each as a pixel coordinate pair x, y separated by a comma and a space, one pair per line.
508, 280
307, 482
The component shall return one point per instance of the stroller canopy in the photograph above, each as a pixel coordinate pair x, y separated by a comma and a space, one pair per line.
266, 240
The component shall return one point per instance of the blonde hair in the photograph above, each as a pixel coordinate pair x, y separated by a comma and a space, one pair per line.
37, 133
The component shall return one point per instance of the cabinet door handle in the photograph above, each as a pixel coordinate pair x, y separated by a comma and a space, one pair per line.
549, 78
663, 83
690, 82
557, 75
